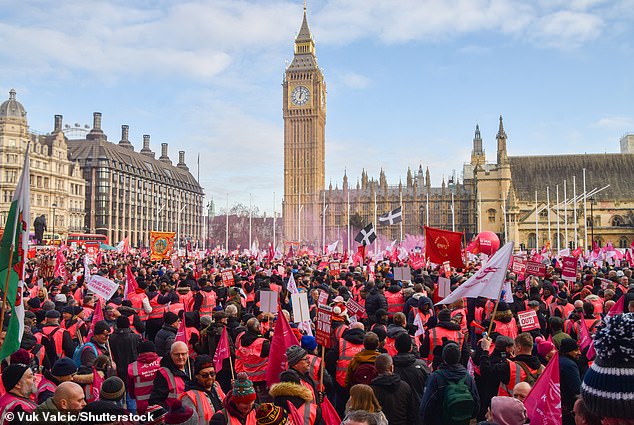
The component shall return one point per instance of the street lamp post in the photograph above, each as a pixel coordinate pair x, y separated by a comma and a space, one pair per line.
591, 223
53, 237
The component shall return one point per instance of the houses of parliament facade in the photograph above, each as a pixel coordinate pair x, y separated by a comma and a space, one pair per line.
561, 200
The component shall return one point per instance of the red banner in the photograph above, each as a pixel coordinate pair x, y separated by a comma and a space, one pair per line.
443, 245
535, 269
355, 309
227, 278
322, 331
519, 265
335, 268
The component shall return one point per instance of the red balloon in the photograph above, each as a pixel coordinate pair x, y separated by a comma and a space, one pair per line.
489, 242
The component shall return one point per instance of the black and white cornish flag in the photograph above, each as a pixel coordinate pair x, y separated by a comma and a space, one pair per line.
367, 235
391, 217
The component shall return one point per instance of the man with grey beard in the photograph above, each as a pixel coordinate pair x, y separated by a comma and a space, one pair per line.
19, 384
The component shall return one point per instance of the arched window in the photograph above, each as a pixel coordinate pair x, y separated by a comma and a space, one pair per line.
623, 242
531, 241
491, 214
617, 221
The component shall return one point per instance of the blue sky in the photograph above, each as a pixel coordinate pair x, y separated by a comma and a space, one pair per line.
407, 80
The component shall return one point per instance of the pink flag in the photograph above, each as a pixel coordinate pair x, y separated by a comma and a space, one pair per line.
130, 283
543, 403
585, 339
96, 317
60, 266
181, 335
329, 413
618, 307
222, 351
283, 337
95, 387
294, 413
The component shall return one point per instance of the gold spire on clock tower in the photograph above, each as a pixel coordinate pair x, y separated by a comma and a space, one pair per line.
304, 112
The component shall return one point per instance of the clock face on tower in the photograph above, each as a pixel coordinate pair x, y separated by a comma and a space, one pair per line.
300, 95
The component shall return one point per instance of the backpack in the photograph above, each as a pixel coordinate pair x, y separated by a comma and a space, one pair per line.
80, 349
531, 377
363, 374
457, 402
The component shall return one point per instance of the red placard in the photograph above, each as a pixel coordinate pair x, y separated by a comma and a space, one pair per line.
569, 269
535, 269
446, 266
227, 278
519, 265
335, 268
355, 309
323, 298
528, 320
322, 331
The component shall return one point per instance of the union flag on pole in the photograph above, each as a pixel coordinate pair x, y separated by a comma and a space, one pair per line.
443, 245
161, 245
222, 351
130, 283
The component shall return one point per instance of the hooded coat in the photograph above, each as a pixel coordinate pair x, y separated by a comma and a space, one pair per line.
296, 394
397, 399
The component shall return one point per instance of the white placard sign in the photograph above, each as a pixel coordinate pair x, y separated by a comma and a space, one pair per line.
402, 273
444, 286
301, 312
268, 301
103, 287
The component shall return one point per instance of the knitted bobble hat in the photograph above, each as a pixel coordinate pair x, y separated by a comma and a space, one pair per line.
243, 391
270, 414
608, 386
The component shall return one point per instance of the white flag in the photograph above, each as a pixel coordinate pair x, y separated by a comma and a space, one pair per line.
291, 286
332, 248
487, 282
419, 323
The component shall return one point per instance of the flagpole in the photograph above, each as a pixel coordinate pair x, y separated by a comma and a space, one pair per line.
536, 223
323, 225
479, 212
506, 233
348, 217
231, 365
6, 282
558, 231
565, 213
250, 216
376, 245
427, 210
401, 204
274, 214
585, 213
574, 207
227, 226
548, 207
453, 214
321, 372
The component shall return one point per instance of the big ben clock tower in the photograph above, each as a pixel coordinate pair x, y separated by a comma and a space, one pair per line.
304, 109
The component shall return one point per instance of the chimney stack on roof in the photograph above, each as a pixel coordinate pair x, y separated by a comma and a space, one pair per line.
58, 124
181, 161
164, 157
125, 142
146, 146
96, 133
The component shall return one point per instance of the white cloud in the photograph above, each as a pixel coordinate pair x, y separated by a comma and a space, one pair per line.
356, 81
616, 123
566, 29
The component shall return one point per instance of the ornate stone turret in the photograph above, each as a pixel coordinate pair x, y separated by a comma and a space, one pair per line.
427, 179
410, 178
503, 158
477, 154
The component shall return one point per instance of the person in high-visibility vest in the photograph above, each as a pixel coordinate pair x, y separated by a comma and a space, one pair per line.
298, 361
289, 389
62, 371
203, 394
253, 350
19, 384
238, 404
170, 378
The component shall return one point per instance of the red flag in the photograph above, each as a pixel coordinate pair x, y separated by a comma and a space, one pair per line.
222, 351
443, 245
585, 339
359, 257
474, 246
618, 307
329, 414
96, 317
130, 283
271, 254
290, 254
577, 252
95, 387
543, 403
295, 415
345, 257
283, 337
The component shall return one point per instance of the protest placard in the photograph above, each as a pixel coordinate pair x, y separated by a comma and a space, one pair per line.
103, 287
227, 277
322, 331
268, 301
301, 313
528, 320
534, 268
569, 269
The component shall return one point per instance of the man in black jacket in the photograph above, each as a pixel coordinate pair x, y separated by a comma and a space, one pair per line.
395, 395
166, 336
375, 300
493, 369
411, 369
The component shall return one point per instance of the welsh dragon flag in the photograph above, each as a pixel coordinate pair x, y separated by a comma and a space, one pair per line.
13, 248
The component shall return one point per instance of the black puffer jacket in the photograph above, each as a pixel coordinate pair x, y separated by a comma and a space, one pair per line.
396, 398
164, 339
374, 301
412, 370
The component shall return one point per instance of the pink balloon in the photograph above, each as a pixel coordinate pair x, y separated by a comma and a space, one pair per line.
489, 242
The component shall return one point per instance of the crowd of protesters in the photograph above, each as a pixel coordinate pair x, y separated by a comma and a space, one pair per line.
403, 360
